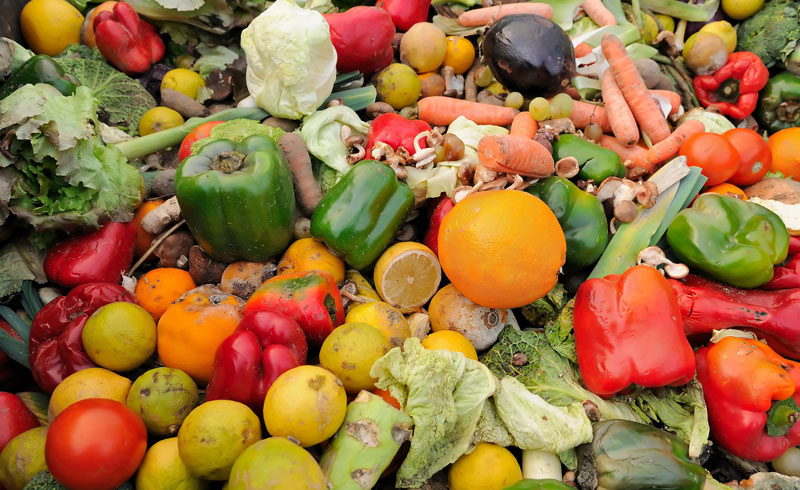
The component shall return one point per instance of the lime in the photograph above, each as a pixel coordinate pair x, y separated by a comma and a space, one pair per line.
120, 336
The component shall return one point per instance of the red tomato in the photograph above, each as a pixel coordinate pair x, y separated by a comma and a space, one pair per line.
711, 152
95, 444
198, 133
755, 159
15, 418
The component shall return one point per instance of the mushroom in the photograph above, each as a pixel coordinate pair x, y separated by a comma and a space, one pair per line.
646, 194
622, 192
654, 257
422, 156
567, 167
377, 108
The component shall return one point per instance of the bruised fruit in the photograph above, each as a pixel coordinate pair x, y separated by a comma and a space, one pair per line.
163, 397
398, 86
431, 84
383, 316
22, 458
451, 310
278, 464
120, 336
162, 468
88, 383
423, 47
704, 53
349, 352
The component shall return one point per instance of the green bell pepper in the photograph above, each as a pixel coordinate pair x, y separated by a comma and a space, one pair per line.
360, 215
38, 69
596, 163
779, 103
581, 217
238, 199
734, 241
546, 484
631, 455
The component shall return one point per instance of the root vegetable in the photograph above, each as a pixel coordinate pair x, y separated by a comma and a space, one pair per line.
204, 269
182, 103
442, 111
599, 13
515, 155
524, 125
620, 117
305, 185
162, 216
163, 184
174, 247
585, 113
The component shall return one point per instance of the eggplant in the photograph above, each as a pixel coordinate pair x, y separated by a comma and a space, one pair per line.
529, 54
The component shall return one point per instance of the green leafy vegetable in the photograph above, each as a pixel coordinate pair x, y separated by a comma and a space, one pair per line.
215, 58
216, 16
237, 130
20, 260
321, 132
559, 332
683, 10
547, 308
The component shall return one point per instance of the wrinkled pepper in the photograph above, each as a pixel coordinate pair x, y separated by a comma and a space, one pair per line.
596, 163
779, 103
787, 275
733, 241
238, 199
309, 298
630, 455
126, 41
360, 215
443, 206
38, 69
362, 38
733, 89
752, 397
406, 13
396, 131
708, 305
99, 256
580, 215
618, 319
264, 345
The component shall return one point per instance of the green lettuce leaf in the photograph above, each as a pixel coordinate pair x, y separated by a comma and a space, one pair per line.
215, 58
20, 260
321, 132
237, 130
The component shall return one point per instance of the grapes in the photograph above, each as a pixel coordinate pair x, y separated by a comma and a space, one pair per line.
514, 100
561, 106
484, 77
539, 108
593, 132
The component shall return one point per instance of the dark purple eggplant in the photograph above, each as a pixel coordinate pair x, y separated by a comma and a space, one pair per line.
529, 54
692, 27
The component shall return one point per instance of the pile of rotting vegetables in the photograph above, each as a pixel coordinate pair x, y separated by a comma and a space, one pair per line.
443, 244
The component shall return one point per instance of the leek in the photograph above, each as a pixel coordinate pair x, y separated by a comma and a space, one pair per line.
680, 10
356, 98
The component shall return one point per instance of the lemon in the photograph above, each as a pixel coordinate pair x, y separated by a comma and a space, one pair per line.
362, 285
383, 316
725, 31
88, 383
349, 352
487, 467
741, 9
667, 22
649, 28
452, 341
120, 336
162, 467
158, 119
185, 81
407, 275
398, 85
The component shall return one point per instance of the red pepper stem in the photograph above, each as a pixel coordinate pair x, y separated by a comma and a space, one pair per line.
784, 416
228, 161
728, 90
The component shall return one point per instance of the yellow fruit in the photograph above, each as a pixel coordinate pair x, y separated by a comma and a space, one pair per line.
307, 403
487, 467
163, 397
362, 285
276, 463
185, 81
649, 29
452, 341
460, 54
162, 468
398, 86
88, 383
704, 53
667, 22
423, 47
120, 336
741, 9
158, 119
407, 275
451, 310
22, 458
383, 316
349, 352
308, 254
214, 435
48, 26
725, 31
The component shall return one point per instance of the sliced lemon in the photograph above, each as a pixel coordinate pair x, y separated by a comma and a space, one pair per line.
407, 275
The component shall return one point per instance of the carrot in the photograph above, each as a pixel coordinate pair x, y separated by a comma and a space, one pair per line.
623, 125
305, 185
630, 82
631, 153
487, 15
673, 98
669, 147
599, 13
582, 50
585, 113
524, 125
441, 111
515, 155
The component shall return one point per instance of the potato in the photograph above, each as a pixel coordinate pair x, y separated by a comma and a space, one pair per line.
786, 191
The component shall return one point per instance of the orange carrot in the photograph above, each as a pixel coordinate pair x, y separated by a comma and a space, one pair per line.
585, 113
631, 153
441, 111
623, 125
524, 125
515, 155
669, 147
673, 98
487, 15
629, 81
582, 50
599, 13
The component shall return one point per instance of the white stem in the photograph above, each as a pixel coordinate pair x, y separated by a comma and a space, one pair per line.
540, 465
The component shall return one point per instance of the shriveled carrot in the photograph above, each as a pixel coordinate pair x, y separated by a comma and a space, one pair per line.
585, 113
673, 98
515, 155
668, 147
633, 153
486, 15
623, 125
306, 186
441, 111
599, 13
582, 50
629, 81
524, 125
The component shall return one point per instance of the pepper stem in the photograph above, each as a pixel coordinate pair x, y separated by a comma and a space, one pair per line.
781, 417
728, 90
228, 161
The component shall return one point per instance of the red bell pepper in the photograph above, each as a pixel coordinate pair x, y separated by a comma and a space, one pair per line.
741, 378
706, 306
787, 275
100, 256
443, 207
15, 418
406, 13
628, 330
362, 37
309, 298
264, 345
396, 131
733, 89
126, 41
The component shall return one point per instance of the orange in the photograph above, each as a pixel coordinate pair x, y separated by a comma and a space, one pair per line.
785, 148
452, 341
502, 249
727, 190
307, 254
143, 238
158, 288
460, 54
